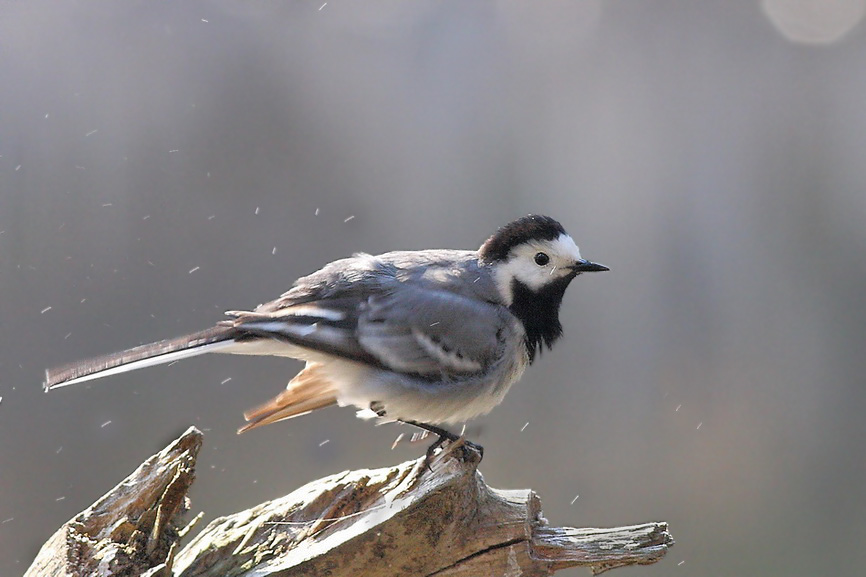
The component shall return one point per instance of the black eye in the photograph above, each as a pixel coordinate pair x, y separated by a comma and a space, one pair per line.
541, 259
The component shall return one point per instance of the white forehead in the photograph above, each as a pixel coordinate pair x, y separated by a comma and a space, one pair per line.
565, 246
561, 248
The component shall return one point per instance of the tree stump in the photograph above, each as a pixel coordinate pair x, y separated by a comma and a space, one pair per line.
409, 519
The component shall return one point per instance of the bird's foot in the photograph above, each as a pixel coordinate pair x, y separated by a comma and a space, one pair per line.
469, 451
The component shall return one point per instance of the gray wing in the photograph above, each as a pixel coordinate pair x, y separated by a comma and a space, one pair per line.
407, 329
432, 332
412, 312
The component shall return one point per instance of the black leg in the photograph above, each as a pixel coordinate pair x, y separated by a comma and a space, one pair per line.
438, 431
443, 436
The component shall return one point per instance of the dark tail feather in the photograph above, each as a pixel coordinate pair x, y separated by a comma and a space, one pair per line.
165, 351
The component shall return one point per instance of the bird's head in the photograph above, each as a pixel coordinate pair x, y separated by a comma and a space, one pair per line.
533, 260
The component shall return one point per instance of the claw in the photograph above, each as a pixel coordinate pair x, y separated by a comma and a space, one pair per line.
444, 436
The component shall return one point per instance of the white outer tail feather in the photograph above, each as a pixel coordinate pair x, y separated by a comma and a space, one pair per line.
141, 364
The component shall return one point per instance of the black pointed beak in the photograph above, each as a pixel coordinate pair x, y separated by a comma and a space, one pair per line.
586, 266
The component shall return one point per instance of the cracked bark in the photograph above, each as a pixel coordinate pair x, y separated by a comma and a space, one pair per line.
402, 520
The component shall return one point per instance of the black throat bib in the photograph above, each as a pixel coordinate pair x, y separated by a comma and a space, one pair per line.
539, 313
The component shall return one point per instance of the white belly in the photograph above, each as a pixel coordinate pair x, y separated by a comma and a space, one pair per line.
431, 402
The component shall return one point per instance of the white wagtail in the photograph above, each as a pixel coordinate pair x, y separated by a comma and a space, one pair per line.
425, 337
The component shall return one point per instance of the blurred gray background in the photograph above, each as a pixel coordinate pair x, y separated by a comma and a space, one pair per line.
161, 162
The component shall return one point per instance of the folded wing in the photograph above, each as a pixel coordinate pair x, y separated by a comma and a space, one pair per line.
407, 329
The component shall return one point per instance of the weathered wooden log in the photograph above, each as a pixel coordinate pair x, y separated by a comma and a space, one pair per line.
410, 519
134, 529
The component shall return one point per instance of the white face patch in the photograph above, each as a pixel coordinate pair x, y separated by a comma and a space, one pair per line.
562, 252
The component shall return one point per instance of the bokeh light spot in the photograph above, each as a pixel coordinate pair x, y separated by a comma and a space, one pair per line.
814, 21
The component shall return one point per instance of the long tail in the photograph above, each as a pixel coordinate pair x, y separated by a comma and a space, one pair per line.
166, 351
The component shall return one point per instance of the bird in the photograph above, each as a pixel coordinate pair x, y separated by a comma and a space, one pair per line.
430, 338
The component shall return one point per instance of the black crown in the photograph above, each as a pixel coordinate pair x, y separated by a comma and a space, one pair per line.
530, 227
